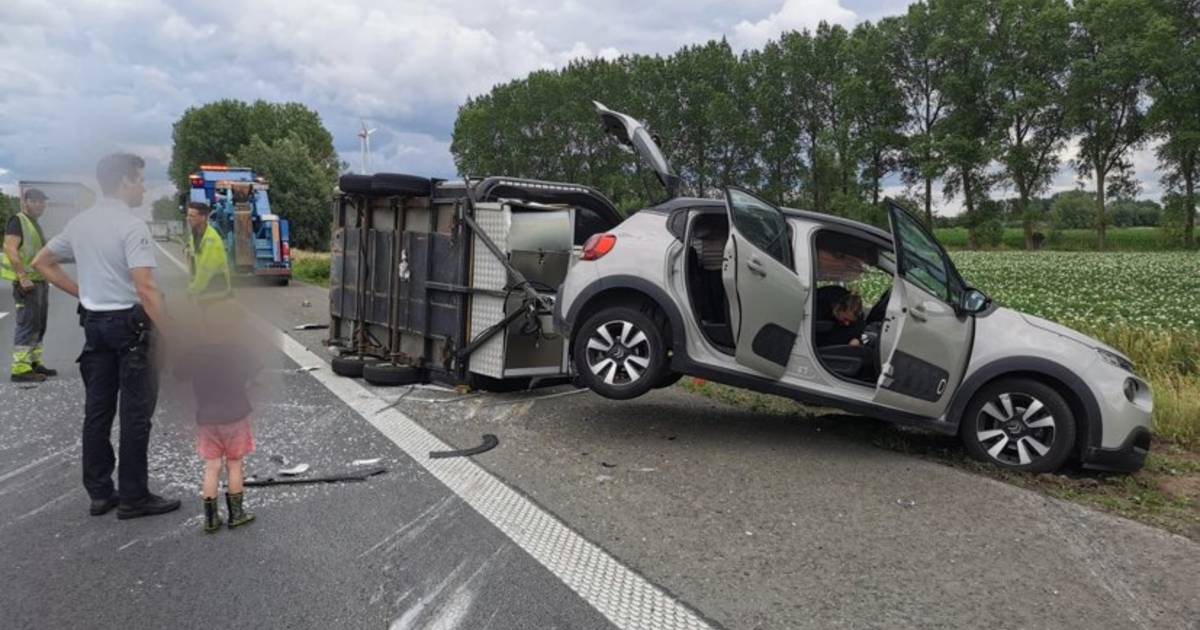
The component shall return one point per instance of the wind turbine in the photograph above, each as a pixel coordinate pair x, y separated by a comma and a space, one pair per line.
364, 137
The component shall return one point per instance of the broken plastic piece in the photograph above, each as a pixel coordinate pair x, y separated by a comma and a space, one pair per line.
906, 502
489, 442
309, 368
312, 326
298, 469
357, 476
366, 462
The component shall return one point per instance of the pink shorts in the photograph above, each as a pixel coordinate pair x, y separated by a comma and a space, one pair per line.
231, 441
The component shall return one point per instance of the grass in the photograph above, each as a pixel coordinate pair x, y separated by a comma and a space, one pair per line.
1131, 239
311, 267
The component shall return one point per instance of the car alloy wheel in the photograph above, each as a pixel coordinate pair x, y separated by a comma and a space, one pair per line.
1016, 429
618, 353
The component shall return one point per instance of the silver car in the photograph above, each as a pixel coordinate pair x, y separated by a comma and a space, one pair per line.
837, 313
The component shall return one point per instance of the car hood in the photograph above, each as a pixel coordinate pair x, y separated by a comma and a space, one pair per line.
1069, 333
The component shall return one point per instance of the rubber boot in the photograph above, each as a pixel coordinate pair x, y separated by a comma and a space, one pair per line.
238, 516
212, 515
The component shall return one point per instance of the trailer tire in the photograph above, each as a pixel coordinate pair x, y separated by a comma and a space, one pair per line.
389, 374
400, 185
283, 282
355, 184
351, 367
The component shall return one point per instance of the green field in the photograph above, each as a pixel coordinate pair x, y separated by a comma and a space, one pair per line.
1134, 239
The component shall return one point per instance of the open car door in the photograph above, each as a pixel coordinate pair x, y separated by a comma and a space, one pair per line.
926, 340
766, 296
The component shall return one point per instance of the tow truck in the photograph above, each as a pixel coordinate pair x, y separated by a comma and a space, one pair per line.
256, 239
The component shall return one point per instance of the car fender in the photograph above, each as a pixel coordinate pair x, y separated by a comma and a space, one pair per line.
1092, 427
632, 283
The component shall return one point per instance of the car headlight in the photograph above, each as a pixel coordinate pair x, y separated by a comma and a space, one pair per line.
1115, 360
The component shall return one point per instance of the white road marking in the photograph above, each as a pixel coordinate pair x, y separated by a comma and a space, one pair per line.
627, 599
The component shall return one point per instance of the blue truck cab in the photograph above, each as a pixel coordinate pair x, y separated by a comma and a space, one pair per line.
256, 239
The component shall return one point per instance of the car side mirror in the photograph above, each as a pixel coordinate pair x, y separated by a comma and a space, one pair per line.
974, 300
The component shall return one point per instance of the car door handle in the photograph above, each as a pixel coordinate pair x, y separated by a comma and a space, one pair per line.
918, 313
756, 266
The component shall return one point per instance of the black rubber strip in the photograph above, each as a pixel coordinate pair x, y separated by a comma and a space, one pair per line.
489, 442
281, 481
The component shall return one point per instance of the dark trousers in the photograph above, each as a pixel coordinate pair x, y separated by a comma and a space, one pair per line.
117, 365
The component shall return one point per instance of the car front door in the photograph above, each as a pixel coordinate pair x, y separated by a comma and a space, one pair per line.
766, 296
926, 340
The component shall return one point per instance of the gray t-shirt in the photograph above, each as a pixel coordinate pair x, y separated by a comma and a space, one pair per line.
106, 241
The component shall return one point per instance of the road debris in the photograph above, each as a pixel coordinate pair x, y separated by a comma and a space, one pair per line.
489, 442
366, 462
306, 304
309, 368
604, 478
537, 398
354, 476
906, 502
312, 327
298, 469
608, 465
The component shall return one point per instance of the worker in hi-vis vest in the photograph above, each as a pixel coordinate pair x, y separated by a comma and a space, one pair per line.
206, 257
22, 239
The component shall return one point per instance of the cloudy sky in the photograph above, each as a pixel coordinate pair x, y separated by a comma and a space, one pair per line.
80, 78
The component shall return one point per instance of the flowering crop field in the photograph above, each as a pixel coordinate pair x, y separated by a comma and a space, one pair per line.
1150, 290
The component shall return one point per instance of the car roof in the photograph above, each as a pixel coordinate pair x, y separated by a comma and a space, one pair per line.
670, 205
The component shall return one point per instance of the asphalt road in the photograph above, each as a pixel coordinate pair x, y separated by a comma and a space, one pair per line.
397, 551
754, 521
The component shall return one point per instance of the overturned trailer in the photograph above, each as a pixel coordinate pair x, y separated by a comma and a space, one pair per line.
454, 281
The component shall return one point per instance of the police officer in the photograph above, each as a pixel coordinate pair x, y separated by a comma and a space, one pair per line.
22, 239
206, 256
122, 308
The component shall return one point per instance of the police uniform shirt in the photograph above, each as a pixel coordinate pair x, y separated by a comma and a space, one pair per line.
106, 241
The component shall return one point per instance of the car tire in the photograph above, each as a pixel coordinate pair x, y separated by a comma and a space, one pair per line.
390, 375
355, 184
1019, 424
351, 367
400, 185
620, 353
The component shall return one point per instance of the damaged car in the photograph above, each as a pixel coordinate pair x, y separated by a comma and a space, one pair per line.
836, 313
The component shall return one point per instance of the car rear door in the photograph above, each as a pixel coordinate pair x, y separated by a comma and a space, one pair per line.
766, 296
925, 341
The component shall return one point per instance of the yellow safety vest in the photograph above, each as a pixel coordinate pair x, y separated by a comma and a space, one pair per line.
208, 262
31, 243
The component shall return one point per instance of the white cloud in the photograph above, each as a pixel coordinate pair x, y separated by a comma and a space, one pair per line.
794, 15
79, 78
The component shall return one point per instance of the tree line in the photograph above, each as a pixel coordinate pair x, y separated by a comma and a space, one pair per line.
957, 98
284, 142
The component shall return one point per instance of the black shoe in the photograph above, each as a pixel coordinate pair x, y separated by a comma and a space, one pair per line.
101, 507
44, 371
150, 505
28, 377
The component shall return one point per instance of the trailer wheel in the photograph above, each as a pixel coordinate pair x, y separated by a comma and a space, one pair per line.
355, 184
283, 282
389, 374
400, 185
351, 367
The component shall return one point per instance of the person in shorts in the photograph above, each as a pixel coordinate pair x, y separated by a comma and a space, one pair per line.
220, 367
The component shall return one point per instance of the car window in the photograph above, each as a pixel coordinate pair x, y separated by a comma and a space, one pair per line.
921, 259
762, 224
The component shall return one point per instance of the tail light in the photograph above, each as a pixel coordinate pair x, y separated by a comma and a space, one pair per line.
286, 250
597, 246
